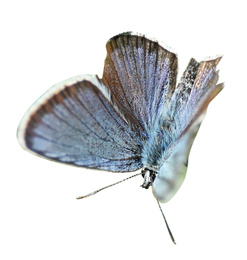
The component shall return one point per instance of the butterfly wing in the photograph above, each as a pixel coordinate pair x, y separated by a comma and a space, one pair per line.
103, 123
197, 87
141, 75
186, 112
76, 122
134, 116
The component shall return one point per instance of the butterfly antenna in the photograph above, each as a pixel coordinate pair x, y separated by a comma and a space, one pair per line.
94, 192
170, 233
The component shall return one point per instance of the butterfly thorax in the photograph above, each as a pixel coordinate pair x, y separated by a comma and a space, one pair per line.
158, 145
165, 159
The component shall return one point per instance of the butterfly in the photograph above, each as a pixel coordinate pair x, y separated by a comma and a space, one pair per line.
134, 117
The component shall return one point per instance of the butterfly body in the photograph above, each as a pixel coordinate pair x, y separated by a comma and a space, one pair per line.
134, 117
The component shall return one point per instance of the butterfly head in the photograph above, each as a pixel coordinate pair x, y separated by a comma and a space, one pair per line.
166, 182
149, 177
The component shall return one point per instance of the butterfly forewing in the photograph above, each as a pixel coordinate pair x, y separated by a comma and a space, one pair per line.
78, 125
194, 92
141, 75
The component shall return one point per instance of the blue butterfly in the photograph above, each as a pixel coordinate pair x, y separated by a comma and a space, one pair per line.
134, 117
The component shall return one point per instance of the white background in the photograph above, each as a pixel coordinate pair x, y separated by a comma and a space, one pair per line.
45, 42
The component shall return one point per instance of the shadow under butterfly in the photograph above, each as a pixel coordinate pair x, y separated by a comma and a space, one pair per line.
135, 117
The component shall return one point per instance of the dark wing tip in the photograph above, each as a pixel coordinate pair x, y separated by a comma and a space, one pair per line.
193, 62
145, 37
120, 35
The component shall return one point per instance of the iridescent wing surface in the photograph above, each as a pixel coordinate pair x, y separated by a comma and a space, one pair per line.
131, 118
77, 123
102, 124
190, 99
141, 75
182, 120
